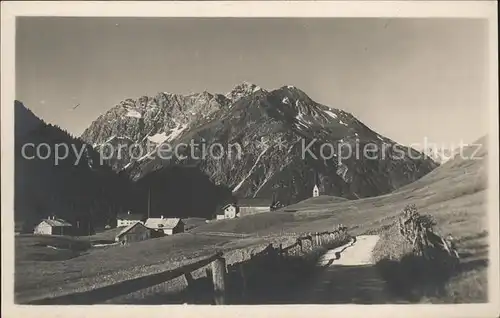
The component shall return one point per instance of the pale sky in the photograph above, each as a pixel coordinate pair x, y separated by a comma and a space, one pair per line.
407, 79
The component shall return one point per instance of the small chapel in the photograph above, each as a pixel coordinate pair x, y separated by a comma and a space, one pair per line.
315, 188
315, 191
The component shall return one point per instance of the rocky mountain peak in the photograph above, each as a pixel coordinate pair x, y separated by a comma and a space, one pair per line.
242, 90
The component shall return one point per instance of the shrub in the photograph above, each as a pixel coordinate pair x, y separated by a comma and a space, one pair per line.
418, 230
413, 259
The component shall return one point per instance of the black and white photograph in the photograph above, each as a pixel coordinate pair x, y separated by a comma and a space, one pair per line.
229, 160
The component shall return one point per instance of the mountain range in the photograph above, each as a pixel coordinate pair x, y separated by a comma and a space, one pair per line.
272, 129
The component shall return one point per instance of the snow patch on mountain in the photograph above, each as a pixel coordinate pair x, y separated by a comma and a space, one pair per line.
342, 172
110, 139
158, 138
174, 133
303, 121
331, 114
250, 171
157, 115
133, 113
263, 184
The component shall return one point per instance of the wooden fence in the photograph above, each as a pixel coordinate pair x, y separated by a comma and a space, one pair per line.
217, 270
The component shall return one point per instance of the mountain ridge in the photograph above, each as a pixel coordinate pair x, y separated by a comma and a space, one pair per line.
246, 115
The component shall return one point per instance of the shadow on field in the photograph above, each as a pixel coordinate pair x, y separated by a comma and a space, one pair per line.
414, 277
267, 281
358, 284
292, 281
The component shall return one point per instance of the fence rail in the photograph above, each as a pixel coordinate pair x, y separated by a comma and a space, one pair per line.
217, 271
229, 234
129, 286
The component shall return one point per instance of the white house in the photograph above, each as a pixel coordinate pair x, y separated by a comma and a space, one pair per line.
168, 226
53, 226
128, 218
228, 211
315, 191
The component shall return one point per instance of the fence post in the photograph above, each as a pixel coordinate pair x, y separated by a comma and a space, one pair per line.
189, 285
189, 278
244, 281
218, 277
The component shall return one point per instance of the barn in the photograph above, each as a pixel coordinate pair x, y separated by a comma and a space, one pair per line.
53, 226
168, 226
133, 233
254, 205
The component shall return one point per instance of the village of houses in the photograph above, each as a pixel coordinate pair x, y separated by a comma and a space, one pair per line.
133, 227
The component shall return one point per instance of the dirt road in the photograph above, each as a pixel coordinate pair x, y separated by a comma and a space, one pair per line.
347, 275
356, 252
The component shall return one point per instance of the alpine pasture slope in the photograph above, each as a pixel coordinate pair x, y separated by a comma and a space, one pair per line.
455, 194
